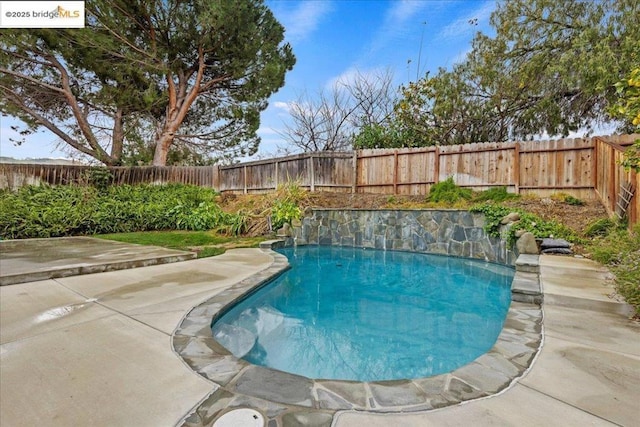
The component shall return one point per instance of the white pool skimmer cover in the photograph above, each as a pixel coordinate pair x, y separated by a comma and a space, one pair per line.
243, 417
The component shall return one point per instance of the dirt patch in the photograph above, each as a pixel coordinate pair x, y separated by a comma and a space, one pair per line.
576, 217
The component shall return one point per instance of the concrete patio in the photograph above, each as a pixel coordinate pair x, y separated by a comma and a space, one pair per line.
96, 350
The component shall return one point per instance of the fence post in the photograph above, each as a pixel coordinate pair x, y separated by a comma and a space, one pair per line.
436, 169
313, 173
354, 175
595, 143
612, 180
276, 176
516, 166
395, 171
245, 180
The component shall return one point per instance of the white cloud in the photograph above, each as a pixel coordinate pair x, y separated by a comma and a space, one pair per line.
282, 105
397, 22
353, 74
463, 26
304, 19
403, 10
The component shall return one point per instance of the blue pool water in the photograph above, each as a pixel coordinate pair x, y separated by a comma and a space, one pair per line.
367, 315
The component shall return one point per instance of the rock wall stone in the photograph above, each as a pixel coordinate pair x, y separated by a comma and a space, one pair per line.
447, 232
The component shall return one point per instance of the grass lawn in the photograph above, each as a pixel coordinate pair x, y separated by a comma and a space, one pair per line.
204, 243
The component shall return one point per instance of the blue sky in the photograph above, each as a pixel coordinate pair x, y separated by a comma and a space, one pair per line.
333, 39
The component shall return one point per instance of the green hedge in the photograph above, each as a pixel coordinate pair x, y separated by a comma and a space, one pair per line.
53, 211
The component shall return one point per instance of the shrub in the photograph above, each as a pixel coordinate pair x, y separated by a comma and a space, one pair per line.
238, 223
284, 211
600, 227
620, 251
45, 211
286, 206
448, 192
495, 194
570, 200
627, 278
539, 227
100, 178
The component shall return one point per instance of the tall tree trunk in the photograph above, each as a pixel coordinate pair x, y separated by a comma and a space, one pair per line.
180, 100
117, 140
162, 148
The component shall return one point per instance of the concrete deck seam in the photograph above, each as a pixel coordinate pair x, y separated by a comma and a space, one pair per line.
571, 405
56, 330
97, 302
569, 340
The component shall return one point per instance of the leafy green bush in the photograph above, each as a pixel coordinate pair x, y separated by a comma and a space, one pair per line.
627, 278
570, 200
448, 192
237, 224
620, 251
284, 211
539, 227
600, 227
286, 206
46, 211
493, 214
100, 178
495, 194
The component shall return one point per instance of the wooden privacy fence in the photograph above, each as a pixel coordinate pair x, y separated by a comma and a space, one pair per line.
14, 176
521, 166
583, 167
618, 189
321, 171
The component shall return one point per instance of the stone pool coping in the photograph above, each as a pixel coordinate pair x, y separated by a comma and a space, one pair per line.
283, 397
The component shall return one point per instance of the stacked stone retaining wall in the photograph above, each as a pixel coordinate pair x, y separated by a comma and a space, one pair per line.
446, 232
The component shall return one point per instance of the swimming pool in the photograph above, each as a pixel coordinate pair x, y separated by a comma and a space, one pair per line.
367, 315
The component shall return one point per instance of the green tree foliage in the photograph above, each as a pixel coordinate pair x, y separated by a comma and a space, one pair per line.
167, 72
379, 136
551, 67
628, 108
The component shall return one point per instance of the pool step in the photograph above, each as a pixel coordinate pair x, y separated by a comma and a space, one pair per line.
526, 282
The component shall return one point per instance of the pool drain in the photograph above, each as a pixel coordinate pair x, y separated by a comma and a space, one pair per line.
243, 417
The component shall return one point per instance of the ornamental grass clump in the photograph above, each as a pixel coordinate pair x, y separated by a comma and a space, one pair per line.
620, 251
448, 192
